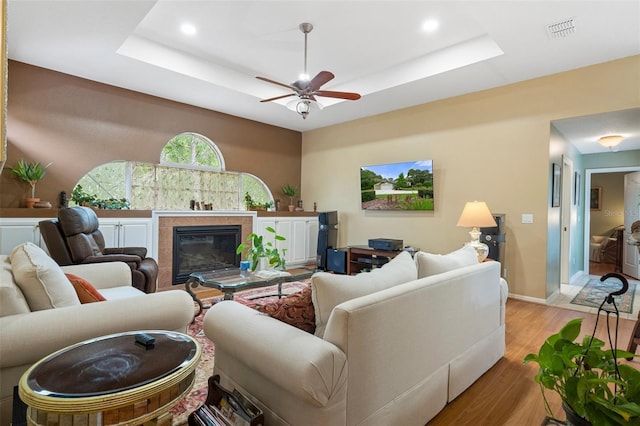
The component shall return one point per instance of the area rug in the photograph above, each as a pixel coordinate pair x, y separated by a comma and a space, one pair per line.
204, 370
594, 292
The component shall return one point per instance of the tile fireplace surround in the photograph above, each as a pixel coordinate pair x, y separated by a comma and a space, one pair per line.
164, 222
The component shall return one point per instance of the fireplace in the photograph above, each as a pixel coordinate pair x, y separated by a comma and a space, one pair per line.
204, 248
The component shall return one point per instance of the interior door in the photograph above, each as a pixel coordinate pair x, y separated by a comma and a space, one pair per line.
631, 259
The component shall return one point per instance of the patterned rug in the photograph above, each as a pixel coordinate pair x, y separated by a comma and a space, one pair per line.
594, 292
198, 393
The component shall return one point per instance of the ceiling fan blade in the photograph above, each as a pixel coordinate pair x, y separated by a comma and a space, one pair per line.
288, 86
320, 79
278, 97
342, 95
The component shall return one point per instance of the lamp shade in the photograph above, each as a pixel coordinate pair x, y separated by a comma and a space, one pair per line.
476, 214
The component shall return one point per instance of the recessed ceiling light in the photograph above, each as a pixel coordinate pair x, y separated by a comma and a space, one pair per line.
188, 29
430, 25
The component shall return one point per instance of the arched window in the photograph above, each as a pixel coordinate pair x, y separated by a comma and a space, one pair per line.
191, 168
192, 149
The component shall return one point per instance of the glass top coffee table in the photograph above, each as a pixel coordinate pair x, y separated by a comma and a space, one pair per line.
230, 281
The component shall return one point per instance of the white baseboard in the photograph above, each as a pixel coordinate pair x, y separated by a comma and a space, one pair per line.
528, 299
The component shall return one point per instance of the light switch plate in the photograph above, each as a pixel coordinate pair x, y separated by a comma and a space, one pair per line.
527, 218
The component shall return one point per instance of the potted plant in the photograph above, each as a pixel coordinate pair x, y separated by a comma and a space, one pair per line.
258, 251
593, 386
31, 173
290, 191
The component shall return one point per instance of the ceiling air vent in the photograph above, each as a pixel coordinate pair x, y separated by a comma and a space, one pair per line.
562, 29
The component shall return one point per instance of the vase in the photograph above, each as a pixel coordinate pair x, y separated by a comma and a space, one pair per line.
292, 208
31, 201
263, 263
573, 419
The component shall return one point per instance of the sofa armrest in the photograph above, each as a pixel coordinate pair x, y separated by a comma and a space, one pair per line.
102, 275
306, 366
26, 338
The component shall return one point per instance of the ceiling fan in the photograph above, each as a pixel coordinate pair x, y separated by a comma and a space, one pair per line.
306, 90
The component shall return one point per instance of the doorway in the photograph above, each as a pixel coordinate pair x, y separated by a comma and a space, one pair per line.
619, 215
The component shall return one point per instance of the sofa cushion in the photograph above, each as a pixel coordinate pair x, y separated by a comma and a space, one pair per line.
295, 309
330, 290
40, 279
85, 291
12, 301
431, 264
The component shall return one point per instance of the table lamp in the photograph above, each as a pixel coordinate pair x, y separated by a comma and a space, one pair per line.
476, 214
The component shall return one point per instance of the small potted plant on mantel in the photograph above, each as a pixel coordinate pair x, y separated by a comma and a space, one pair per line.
263, 255
30, 173
290, 191
594, 387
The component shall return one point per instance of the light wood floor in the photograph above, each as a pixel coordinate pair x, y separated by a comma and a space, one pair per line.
507, 394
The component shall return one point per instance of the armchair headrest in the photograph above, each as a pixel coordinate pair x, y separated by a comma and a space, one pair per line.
77, 220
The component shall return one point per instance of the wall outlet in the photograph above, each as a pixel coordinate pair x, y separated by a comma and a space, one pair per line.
527, 218
504, 272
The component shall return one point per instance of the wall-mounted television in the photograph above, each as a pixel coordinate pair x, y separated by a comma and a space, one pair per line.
397, 186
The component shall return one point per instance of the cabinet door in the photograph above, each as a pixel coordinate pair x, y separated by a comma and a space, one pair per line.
14, 235
262, 225
298, 245
284, 228
135, 234
312, 240
110, 231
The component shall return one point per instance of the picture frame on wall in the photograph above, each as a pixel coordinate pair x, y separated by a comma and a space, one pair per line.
596, 198
576, 188
555, 185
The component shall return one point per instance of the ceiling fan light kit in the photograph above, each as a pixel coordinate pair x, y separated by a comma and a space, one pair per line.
306, 90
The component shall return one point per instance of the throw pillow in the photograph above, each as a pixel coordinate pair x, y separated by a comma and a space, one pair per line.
295, 309
431, 264
330, 290
85, 291
40, 279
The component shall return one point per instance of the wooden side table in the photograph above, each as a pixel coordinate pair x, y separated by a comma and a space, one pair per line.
111, 380
364, 257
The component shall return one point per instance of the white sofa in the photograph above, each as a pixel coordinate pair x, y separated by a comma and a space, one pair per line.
40, 312
408, 343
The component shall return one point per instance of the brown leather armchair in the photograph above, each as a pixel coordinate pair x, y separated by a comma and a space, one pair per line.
74, 238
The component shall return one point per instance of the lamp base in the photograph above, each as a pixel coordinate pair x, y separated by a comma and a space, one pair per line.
481, 248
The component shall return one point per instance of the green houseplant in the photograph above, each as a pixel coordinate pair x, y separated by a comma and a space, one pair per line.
290, 191
259, 249
31, 173
590, 381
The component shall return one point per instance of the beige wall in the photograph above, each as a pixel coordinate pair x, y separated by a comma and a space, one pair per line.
79, 124
491, 146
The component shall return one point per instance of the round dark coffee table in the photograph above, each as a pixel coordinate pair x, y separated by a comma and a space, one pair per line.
111, 380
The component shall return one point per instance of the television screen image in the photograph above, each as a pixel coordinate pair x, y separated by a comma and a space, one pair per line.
397, 186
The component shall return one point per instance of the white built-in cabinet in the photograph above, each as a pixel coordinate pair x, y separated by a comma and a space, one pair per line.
117, 233
15, 231
301, 235
127, 233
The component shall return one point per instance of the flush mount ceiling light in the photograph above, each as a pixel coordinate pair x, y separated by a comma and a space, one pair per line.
610, 141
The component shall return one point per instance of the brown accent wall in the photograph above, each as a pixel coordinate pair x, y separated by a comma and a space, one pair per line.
78, 124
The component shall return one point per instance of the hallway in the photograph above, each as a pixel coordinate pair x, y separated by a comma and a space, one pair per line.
569, 291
